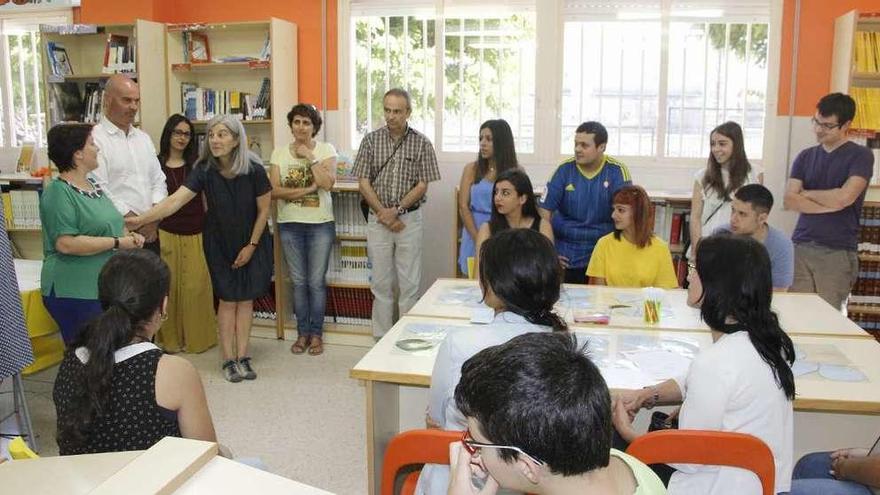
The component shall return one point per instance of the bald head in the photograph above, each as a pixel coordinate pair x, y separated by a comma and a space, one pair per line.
122, 98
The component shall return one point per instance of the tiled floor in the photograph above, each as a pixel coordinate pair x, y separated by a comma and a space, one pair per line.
303, 416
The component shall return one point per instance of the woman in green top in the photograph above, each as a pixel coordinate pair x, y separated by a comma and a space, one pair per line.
81, 229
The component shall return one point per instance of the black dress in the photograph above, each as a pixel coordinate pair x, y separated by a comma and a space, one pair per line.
133, 420
232, 211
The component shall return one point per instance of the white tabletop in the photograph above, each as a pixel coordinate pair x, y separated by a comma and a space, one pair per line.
799, 314
621, 354
28, 274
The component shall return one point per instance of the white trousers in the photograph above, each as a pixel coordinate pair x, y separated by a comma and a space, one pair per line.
394, 255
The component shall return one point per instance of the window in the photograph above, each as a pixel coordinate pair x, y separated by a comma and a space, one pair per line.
23, 103
485, 65
613, 70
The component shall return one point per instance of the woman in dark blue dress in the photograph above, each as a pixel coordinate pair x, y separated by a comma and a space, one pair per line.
238, 247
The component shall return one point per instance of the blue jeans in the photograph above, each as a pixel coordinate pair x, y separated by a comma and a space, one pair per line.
307, 249
810, 477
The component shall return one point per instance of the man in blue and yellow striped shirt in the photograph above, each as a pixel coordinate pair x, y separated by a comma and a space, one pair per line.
578, 199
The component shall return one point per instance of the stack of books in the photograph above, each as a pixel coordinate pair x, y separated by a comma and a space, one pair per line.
867, 108
671, 223
348, 215
119, 55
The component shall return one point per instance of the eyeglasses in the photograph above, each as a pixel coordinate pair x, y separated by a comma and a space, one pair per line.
472, 446
825, 125
177, 133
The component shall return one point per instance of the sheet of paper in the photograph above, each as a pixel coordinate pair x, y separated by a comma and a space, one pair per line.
659, 364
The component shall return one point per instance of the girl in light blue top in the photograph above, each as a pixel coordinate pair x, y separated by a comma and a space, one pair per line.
521, 278
497, 154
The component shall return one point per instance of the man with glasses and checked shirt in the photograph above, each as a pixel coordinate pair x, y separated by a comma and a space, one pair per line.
394, 165
827, 187
539, 421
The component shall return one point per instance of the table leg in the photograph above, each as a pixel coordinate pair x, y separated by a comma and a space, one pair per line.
382, 424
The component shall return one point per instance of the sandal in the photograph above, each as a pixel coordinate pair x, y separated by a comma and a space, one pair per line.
316, 346
300, 346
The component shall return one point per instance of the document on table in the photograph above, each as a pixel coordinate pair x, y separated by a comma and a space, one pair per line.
659, 363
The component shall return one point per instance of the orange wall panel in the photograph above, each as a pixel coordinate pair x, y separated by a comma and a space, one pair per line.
306, 14
815, 45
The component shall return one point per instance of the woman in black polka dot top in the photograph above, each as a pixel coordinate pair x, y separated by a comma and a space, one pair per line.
115, 389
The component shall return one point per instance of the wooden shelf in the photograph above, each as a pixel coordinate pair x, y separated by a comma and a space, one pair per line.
857, 308
348, 285
345, 237
869, 257
208, 66
17, 229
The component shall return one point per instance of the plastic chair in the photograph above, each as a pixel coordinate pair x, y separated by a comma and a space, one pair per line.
714, 448
18, 449
414, 447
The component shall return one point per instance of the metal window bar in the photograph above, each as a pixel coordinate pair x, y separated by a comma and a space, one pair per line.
480, 73
748, 52
387, 23
726, 55
425, 73
706, 28
369, 94
461, 27
35, 65
641, 92
621, 59
22, 97
681, 99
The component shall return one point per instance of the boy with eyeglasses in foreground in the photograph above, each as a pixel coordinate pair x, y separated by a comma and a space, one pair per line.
539, 421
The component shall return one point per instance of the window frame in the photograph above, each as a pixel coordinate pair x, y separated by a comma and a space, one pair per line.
550, 21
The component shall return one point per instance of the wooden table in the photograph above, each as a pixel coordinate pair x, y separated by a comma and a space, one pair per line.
799, 314
174, 465
828, 414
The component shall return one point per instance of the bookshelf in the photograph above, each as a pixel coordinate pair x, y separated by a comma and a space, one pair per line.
855, 70
237, 65
84, 48
21, 214
671, 212
863, 306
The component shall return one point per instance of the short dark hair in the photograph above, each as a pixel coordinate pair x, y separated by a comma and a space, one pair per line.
540, 392
756, 195
838, 104
401, 93
64, 140
600, 134
308, 111
522, 269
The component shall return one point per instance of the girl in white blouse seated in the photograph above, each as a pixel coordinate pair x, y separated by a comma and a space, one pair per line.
742, 382
520, 277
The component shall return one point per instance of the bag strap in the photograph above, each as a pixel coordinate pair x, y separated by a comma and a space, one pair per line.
393, 152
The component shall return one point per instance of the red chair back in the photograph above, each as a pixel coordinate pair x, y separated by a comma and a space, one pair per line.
713, 448
414, 447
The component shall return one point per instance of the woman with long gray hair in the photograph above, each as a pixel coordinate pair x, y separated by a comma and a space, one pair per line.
237, 245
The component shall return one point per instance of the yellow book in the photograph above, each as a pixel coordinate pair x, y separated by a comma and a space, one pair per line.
7, 210
861, 61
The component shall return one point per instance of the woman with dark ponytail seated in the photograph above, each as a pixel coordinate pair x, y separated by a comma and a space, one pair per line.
520, 277
742, 382
115, 390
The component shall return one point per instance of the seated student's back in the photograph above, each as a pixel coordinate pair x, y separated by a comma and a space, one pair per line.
115, 390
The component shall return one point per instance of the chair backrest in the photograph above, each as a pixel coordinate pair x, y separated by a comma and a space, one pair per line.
713, 448
18, 449
415, 447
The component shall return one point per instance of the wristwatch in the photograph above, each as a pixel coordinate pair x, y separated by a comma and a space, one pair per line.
401, 210
115, 243
655, 397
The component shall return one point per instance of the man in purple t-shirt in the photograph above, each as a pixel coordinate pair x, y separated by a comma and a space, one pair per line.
827, 186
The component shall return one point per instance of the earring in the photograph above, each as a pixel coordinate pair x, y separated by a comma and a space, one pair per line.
163, 316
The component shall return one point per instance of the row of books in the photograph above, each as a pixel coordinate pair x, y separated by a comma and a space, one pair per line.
349, 262
68, 104
867, 287
204, 103
197, 49
264, 306
671, 223
348, 215
869, 322
21, 209
872, 142
867, 52
867, 108
869, 230
119, 54
349, 306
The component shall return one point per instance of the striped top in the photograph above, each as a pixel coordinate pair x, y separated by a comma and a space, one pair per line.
581, 206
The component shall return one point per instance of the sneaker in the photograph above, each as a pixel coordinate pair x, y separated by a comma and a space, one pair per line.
244, 366
230, 372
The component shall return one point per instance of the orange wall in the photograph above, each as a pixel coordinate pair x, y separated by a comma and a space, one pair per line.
306, 14
814, 50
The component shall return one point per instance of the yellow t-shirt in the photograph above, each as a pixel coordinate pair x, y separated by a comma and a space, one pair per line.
623, 264
295, 172
647, 480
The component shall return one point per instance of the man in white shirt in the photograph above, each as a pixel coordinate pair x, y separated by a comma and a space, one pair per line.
128, 169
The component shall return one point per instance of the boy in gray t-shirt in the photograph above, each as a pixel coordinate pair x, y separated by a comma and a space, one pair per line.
827, 186
749, 210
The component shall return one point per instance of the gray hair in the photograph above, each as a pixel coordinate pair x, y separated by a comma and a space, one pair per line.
241, 155
401, 93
